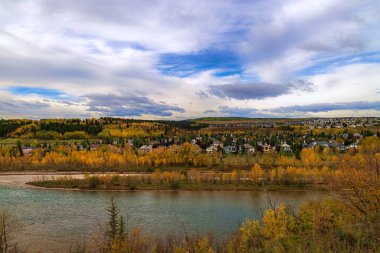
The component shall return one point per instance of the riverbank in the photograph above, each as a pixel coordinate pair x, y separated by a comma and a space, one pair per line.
91, 184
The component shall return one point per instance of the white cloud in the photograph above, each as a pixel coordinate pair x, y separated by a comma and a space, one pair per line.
98, 46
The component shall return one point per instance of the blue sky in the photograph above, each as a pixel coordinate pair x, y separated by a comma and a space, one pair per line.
30, 91
223, 62
186, 59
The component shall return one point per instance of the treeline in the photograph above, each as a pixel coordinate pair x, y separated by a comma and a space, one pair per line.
90, 126
9, 126
55, 128
112, 158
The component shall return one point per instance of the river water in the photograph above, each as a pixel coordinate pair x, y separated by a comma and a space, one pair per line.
47, 220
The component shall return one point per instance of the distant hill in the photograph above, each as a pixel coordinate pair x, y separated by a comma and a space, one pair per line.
216, 120
220, 119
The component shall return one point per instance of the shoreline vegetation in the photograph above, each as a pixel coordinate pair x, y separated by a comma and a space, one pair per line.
290, 178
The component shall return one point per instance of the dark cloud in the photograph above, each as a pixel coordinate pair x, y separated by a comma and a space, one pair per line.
297, 110
210, 111
325, 107
258, 90
248, 91
128, 105
202, 94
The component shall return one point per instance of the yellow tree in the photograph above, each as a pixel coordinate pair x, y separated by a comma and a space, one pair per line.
257, 173
309, 157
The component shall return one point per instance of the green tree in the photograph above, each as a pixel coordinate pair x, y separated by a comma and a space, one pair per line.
113, 224
121, 232
19, 148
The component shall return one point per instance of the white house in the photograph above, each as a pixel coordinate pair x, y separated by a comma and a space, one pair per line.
146, 148
249, 149
286, 147
229, 149
212, 149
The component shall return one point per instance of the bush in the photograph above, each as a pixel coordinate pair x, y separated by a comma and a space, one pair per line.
174, 185
132, 186
93, 182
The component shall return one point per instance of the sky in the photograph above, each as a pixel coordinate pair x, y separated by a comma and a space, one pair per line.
182, 59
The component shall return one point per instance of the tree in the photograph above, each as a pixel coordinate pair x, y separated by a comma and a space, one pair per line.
309, 157
357, 184
121, 232
113, 212
19, 148
257, 173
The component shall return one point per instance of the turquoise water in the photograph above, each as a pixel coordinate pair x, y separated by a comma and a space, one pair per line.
46, 219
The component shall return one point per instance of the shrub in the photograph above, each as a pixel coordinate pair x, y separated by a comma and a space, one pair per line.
93, 182
174, 185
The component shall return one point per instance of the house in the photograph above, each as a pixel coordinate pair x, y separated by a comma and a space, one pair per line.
212, 149
130, 142
114, 148
229, 149
353, 145
94, 146
334, 145
154, 144
286, 147
249, 149
217, 143
27, 150
343, 148
265, 148
145, 148
324, 144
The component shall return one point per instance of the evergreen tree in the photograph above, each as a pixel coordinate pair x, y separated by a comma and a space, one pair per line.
19, 148
113, 213
121, 228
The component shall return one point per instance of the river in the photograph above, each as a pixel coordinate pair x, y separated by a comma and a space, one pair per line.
46, 220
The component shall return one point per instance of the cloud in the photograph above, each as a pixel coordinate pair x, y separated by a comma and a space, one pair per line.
298, 110
127, 105
17, 108
44, 69
204, 95
249, 91
294, 34
326, 107
16, 105
235, 111
195, 55
258, 90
